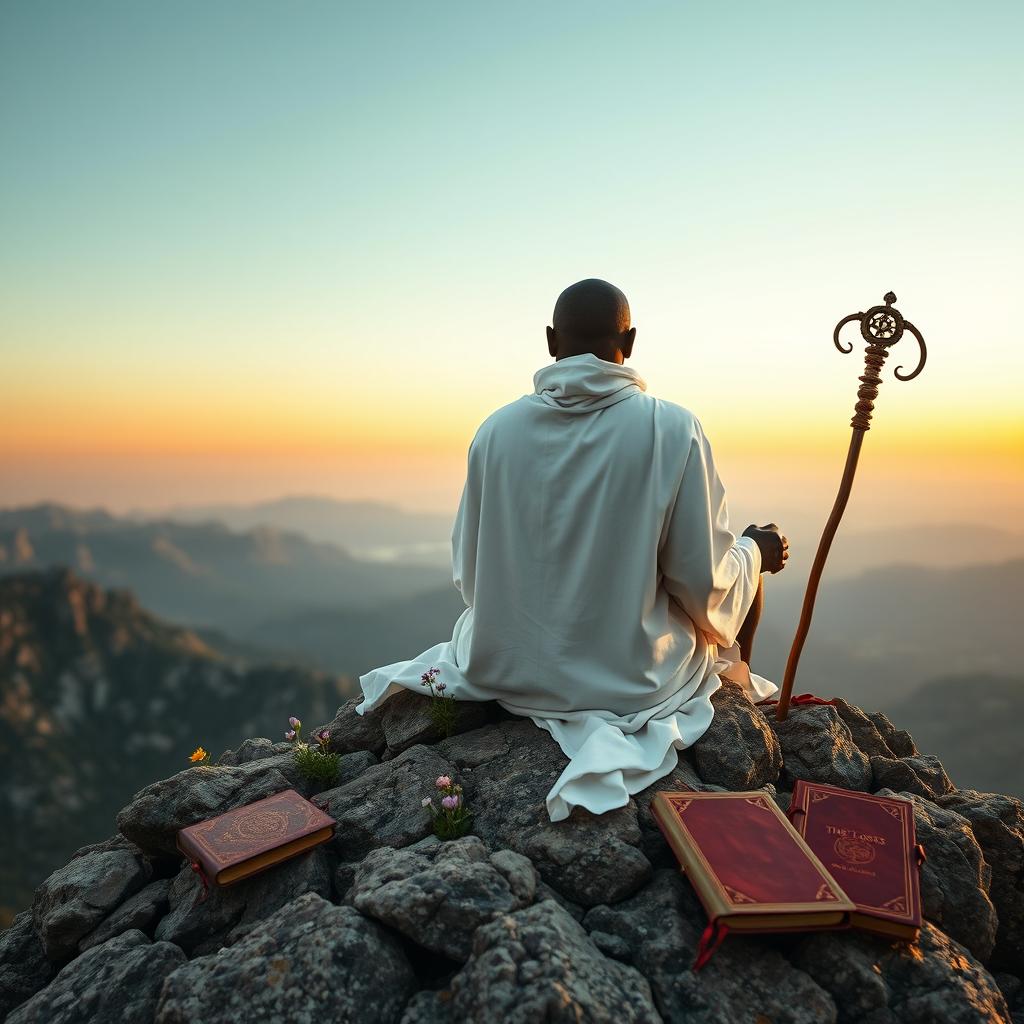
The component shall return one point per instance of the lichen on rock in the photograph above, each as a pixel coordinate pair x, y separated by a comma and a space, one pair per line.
525, 919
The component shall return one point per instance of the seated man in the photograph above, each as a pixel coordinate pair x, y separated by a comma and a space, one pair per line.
604, 591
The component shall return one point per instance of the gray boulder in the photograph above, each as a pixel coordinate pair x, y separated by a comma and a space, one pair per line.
868, 735
746, 980
954, 878
922, 774
138, 913
406, 719
202, 926
72, 901
256, 749
899, 741
311, 961
818, 746
116, 982
157, 813
471, 749
587, 858
24, 968
438, 894
350, 766
383, 806
1013, 992
350, 731
682, 778
998, 825
933, 981
538, 965
739, 751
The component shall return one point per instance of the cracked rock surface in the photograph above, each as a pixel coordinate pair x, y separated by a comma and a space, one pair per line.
524, 919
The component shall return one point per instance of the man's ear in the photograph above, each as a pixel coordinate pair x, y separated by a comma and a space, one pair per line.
552, 342
627, 343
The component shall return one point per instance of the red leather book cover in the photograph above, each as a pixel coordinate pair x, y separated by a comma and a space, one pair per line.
869, 845
250, 839
750, 868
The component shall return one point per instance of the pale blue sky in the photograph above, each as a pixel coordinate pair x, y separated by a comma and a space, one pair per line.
204, 205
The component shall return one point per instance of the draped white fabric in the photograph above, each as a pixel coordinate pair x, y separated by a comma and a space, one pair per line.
604, 589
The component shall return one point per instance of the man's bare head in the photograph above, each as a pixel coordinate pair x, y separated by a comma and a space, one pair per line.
591, 316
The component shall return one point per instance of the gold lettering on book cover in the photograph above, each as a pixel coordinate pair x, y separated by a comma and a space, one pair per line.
852, 839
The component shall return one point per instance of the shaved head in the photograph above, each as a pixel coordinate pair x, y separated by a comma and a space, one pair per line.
591, 316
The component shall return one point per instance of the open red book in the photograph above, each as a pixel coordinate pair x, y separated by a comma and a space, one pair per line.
868, 843
749, 867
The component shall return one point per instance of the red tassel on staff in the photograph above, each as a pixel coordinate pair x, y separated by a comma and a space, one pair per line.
799, 699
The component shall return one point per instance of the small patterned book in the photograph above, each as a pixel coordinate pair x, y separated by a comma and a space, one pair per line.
748, 865
251, 839
869, 843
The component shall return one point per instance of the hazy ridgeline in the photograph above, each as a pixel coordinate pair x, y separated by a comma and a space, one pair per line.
243, 615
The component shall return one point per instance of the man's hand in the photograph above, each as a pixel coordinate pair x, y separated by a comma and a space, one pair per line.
774, 546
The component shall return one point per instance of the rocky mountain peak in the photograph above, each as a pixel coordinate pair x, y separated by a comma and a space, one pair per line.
523, 919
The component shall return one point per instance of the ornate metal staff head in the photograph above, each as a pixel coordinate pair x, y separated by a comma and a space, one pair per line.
881, 327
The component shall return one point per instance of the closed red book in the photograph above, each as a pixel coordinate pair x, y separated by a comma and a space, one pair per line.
251, 839
869, 844
749, 866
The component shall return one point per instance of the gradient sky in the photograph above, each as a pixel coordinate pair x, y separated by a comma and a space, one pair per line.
252, 248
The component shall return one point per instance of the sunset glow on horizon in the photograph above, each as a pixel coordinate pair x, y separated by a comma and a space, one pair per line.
252, 251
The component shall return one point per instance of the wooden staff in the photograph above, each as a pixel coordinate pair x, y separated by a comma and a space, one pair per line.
881, 327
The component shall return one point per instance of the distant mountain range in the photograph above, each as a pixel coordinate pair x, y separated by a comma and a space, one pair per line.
98, 698
382, 531
204, 573
876, 637
973, 722
368, 529
879, 631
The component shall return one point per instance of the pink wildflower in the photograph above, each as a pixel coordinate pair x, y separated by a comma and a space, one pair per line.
443, 781
294, 722
290, 734
450, 803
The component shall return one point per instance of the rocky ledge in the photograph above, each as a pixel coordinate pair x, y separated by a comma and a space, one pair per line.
522, 920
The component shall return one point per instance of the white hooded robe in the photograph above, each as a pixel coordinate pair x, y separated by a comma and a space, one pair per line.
603, 587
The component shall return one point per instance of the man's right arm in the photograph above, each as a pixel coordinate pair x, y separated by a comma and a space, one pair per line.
710, 572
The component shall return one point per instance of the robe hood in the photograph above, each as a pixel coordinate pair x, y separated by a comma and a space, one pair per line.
585, 383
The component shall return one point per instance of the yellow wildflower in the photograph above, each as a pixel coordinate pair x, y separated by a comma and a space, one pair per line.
199, 755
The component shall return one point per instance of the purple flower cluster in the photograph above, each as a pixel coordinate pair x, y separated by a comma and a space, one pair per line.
452, 818
428, 677
323, 737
